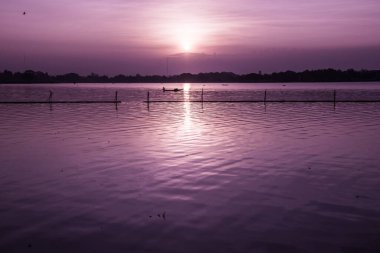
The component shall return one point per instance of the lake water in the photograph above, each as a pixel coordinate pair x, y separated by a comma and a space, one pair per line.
187, 177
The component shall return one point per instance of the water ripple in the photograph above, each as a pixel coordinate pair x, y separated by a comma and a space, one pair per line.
179, 177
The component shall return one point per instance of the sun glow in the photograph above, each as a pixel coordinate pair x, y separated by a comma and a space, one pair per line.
186, 46
179, 33
188, 36
186, 87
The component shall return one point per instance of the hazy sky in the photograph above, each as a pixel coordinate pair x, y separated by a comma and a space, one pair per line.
141, 36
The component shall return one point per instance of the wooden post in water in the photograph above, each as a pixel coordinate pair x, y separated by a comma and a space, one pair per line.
116, 102
265, 97
202, 95
50, 96
147, 100
334, 97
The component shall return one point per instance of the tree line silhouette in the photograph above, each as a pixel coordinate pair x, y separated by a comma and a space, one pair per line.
322, 75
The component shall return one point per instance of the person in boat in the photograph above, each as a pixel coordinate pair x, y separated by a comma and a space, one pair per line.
175, 89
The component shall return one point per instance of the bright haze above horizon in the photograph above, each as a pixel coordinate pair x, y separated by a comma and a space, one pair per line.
172, 36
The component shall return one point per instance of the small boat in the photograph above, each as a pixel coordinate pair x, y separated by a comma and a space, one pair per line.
175, 90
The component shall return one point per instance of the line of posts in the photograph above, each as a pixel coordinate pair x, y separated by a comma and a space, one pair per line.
202, 100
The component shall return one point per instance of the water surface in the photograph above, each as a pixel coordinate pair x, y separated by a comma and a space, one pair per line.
182, 177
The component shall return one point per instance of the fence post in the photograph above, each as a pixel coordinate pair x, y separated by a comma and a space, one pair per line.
265, 97
334, 97
50, 96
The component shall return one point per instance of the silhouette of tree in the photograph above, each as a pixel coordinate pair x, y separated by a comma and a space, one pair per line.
322, 75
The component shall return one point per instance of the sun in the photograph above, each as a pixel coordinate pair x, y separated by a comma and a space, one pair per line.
186, 46
184, 35
188, 35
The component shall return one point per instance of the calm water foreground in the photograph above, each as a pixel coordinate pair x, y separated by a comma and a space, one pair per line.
182, 177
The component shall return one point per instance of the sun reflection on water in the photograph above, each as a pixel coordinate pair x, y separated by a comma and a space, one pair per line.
187, 121
186, 88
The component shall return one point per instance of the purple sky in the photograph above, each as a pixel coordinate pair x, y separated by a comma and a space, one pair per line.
137, 36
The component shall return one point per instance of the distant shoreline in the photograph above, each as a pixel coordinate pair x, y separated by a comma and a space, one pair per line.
307, 76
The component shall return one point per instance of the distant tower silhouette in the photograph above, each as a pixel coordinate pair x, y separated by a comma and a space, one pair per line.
260, 72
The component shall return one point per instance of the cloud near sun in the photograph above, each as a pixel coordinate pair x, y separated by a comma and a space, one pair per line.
210, 26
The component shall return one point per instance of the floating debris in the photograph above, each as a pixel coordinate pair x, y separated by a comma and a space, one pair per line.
159, 215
